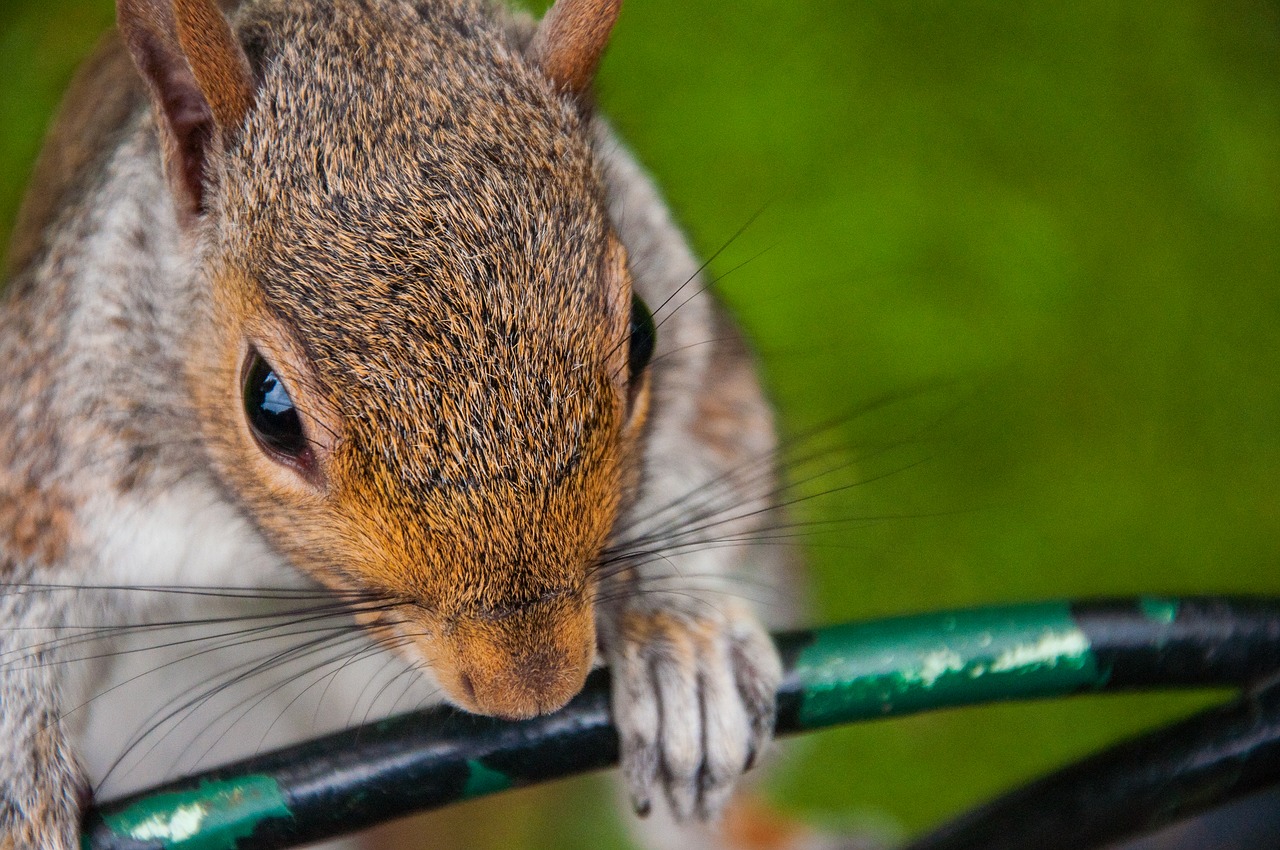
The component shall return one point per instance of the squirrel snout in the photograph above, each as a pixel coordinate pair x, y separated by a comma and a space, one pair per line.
523, 686
527, 664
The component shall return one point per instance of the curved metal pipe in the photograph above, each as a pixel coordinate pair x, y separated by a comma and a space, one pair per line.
840, 674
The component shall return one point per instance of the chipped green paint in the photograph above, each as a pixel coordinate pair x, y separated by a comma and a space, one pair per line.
212, 817
1158, 610
483, 780
878, 669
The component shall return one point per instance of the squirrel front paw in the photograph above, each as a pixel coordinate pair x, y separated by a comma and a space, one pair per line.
693, 700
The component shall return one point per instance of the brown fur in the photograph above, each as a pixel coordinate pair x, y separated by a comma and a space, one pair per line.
645, 628
572, 38
36, 512
35, 521
216, 60
197, 76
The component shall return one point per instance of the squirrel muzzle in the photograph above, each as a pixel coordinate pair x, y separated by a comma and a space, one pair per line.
518, 662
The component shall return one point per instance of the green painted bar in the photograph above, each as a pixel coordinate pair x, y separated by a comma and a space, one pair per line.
845, 673
213, 817
839, 674
861, 671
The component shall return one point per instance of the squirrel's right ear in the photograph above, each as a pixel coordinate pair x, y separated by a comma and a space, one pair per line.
570, 40
199, 80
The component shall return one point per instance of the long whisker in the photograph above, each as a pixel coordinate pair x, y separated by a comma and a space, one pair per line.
236, 675
258, 635
766, 462
681, 533
252, 701
711, 259
98, 633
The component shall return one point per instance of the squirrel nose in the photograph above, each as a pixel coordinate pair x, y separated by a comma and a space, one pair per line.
525, 686
529, 663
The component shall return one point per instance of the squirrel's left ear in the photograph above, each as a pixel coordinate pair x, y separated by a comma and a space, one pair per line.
199, 80
571, 39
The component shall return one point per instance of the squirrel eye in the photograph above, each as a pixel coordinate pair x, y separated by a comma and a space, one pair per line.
643, 336
272, 415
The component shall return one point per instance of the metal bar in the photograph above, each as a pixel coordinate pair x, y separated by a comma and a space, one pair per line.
1133, 788
858, 671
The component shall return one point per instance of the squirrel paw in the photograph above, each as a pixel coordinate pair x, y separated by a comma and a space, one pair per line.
693, 701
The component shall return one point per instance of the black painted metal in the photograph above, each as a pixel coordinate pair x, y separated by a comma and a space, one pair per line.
424, 760
1211, 641
372, 774
414, 762
1135, 787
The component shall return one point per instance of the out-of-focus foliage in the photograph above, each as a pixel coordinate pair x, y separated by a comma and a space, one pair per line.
1054, 229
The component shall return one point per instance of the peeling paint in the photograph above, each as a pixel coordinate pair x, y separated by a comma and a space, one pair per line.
1051, 649
838, 674
936, 664
897, 666
212, 817
178, 825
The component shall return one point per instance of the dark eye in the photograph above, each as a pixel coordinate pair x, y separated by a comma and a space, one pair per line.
643, 336
272, 415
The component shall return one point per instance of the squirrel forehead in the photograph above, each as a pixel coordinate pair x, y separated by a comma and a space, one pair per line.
386, 119
410, 170
413, 178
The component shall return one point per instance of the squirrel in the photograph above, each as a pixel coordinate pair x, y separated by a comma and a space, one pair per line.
367, 292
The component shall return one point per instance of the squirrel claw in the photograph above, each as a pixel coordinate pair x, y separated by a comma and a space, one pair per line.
694, 705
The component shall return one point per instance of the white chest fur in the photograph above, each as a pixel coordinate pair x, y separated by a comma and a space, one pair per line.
190, 680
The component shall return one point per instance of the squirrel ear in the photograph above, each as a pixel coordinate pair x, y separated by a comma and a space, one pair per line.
199, 81
571, 39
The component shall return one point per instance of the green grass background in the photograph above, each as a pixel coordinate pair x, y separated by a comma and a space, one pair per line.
1066, 213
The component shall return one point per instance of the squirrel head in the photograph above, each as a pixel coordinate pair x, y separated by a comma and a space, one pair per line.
422, 371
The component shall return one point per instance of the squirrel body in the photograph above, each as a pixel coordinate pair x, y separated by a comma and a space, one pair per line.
350, 295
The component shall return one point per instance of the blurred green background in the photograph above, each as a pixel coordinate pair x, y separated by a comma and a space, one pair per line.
1063, 219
